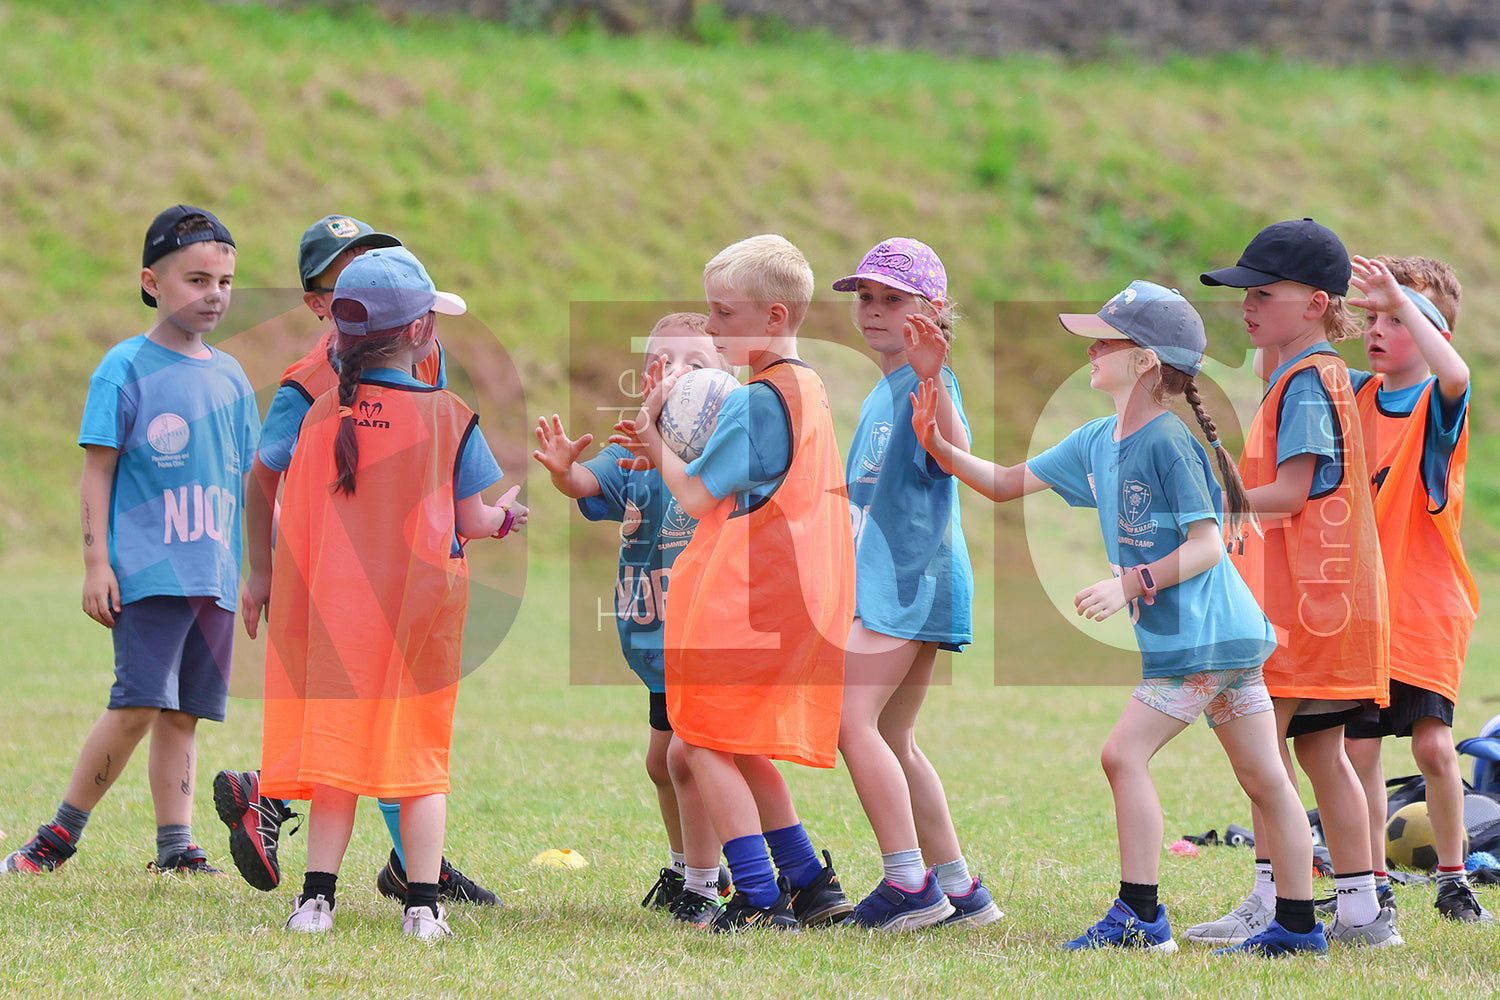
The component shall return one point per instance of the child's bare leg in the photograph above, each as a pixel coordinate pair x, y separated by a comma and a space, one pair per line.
661, 779
898, 727
330, 822
875, 665
424, 819
106, 749
1139, 733
700, 846
1432, 746
773, 801
173, 767
1364, 755
1341, 800
1283, 823
726, 796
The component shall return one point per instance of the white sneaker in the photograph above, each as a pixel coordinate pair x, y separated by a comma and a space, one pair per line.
424, 925
311, 915
1239, 924
1378, 933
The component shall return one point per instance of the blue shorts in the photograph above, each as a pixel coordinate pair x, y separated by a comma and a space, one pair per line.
173, 653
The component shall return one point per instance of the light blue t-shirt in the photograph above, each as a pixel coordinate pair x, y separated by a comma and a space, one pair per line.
750, 448
912, 574
653, 530
186, 429
1445, 422
1149, 489
1308, 425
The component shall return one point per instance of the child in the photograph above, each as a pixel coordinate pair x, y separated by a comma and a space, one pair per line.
168, 432
254, 820
1201, 635
370, 587
654, 530
764, 591
913, 589
1312, 558
1415, 408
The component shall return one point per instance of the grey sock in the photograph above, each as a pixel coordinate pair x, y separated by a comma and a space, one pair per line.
172, 840
954, 877
72, 820
904, 869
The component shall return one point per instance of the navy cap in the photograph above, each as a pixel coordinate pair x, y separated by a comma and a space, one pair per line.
1300, 251
161, 240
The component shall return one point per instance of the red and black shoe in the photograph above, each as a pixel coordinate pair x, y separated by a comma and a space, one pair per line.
43, 853
254, 823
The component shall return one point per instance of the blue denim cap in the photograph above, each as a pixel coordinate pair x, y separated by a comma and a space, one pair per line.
1147, 315
390, 289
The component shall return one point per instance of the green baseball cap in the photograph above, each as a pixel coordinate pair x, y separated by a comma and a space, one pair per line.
331, 236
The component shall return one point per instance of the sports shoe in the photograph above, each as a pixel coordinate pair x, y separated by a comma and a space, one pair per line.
311, 915
1455, 901
974, 908
1326, 907
452, 884
1378, 933
695, 910
665, 890
743, 915
254, 823
891, 908
822, 901
1121, 928
1276, 941
192, 860
43, 853
1239, 924
423, 924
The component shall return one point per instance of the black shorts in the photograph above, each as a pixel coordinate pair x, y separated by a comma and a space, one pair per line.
658, 715
1408, 704
1317, 722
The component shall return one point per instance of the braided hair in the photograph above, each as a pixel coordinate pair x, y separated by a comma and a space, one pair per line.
354, 355
1175, 382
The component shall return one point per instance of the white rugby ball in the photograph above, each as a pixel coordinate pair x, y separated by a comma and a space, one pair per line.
692, 409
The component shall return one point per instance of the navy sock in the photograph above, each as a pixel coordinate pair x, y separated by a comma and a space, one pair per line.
794, 855
316, 884
751, 868
1141, 898
1295, 915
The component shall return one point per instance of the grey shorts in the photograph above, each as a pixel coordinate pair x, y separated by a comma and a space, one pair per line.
173, 653
1221, 695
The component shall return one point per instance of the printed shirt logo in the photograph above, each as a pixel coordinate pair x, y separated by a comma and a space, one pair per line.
343, 228
1136, 500
369, 414
168, 434
676, 522
631, 522
880, 440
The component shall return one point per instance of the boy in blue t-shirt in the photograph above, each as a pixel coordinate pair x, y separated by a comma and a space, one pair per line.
653, 530
169, 430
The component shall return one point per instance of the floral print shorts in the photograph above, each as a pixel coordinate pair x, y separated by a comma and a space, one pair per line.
1222, 695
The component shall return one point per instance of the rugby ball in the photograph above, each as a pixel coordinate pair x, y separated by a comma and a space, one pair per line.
692, 409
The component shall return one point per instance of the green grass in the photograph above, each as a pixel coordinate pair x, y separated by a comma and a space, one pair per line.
541, 762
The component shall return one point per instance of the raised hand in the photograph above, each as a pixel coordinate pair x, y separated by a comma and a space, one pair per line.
924, 423
556, 450
926, 347
1382, 290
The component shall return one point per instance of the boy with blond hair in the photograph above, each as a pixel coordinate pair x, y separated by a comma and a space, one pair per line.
1414, 405
764, 593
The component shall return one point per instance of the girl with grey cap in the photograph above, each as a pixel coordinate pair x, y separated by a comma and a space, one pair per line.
1201, 635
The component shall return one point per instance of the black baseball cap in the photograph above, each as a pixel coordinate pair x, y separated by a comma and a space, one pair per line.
161, 240
330, 236
1300, 250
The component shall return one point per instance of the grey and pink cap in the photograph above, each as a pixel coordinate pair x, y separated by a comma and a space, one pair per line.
903, 263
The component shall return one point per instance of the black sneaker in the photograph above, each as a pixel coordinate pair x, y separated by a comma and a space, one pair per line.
1326, 907
254, 823
695, 910
743, 915
665, 891
191, 861
1455, 901
452, 884
43, 853
823, 900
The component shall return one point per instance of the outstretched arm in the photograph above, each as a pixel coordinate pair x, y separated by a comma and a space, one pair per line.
559, 454
998, 482
476, 519
1383, 294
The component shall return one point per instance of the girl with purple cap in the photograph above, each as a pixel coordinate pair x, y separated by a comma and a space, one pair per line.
913, 591
1201, 634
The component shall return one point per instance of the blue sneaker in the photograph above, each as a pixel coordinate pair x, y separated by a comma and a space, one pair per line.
1276, 941
892, 908
1121, 928
973, 908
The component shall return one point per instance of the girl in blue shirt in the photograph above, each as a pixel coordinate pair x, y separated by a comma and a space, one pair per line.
1202, 636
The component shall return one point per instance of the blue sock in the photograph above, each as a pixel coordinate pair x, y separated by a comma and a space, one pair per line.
392, 813
794, 855
751, 869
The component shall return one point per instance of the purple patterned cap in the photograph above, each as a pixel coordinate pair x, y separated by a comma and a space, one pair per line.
903, 263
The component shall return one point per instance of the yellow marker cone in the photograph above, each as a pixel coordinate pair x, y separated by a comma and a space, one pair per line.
560, 857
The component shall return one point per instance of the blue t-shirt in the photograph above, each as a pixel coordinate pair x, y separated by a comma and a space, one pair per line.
912, 574
750, 448
186, 430
1308, 425
653, 530
1445, 422
1149, 489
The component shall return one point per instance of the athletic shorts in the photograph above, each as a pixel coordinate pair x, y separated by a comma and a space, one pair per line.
173, 653
1408, 704
1315, 715
1221, 695
658, 716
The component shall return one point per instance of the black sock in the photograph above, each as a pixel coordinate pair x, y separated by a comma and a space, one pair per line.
316, 884
1141, 898
422, 894
1295, 915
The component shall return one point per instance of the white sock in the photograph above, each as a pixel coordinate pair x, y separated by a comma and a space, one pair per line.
904, 869
1356, 898
1265, 883
703, 881
954, 877
677, 861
